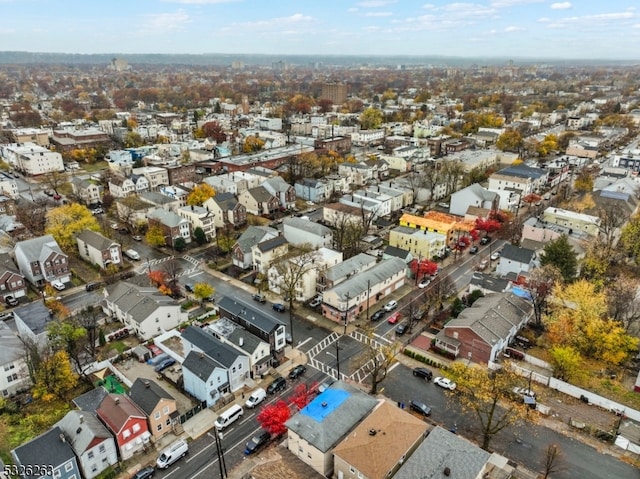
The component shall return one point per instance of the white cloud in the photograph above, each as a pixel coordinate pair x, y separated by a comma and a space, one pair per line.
560, 5
378, 14
512, 29
200, 2
512, 3
275, 24
375, 3
164, 22
352, 10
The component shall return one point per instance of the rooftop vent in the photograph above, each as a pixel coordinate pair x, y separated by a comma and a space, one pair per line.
447, 471
372, 432
324, 404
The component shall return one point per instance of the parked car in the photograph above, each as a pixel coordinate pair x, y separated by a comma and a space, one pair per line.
445, 383
315, 302
256, 442
260, 298
164, 364
277, 385
137, 237
57, 284
420, 407
256, 398
145, 473
188, 287
132, 254
11, 300
482, 265
424, 282
391, 305
326, 384
401, 329
423, 373
473, 249
93, 286
495, 256
378, 315
279, 307
485, 240
524, 392
393, 319
297, 371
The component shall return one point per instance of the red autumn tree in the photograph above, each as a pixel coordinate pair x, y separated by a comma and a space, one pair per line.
303, 395
488, 226
423, 267
532, 198
213, 129
158, 277
273, 417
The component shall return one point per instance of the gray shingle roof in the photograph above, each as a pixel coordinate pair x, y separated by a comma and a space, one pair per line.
138, 301
277, 183
488, 282
260, 194
327, 432
157, 198
35, 315
379, 273
12, 347
518, 254
254, 235
226, 201
222, 354
305, 225
523, 171
167, 218
147, 393
90, 400
47, 448
443, 449
254, 316
272, 243
349, 266
200, 365
39, 248
83, 430
250, 342
96, 240
482, 193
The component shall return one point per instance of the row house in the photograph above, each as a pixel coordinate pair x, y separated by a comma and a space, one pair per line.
344, 270
160, 407
15, 376
97, 249
420, 243
155, 175
143, 310
578, 222
369, 207
177, 193
336, 184
301, 231
227, 184
173, 226
8, 185
40, 260
242, 250
227, 210
367, 137
310, 189
127, 423
12, 282
87, 191
340, 214
558, 172
434, 222
120, 186
199, 217
473, 195
50, 450
401, 194
346, 301
357, 173
522, 179
283, 191
266, 252
258, 201
179, 174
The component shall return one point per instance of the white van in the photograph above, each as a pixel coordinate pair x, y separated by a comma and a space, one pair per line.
256, 398
132, 254
228, 417
171, 454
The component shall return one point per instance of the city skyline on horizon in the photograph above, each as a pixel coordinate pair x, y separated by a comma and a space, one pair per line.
580, 30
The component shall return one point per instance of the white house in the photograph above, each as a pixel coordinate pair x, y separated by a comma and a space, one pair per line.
473, 195
121, 186
31, 159
41, 260
515, 260
282, 190
199, 217
97, 249
145, 311
13, 361
299, 231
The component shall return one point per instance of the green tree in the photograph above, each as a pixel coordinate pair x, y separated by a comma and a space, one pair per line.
560, 253
487, 394
155, 236
566, 361
66, 221
179, 244
203, 291
371, 118
54, 378
133, 140
630, 237
199, 235
68, 336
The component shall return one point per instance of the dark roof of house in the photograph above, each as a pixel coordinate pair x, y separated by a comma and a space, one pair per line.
523, 171
35, 315
272, 243
226, 201
244, 340
91, 400
96, 240
49, 448
200, 365
7, 264
223, 354
147, 393
488, 282
518, 254
396, 252
254, 316
260, 194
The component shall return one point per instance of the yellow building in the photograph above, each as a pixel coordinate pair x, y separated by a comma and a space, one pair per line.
420, 243
452, 227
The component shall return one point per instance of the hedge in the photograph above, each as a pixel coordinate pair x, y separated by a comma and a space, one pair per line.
424, 359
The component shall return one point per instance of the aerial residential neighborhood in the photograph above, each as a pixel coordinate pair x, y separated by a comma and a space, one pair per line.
307, 267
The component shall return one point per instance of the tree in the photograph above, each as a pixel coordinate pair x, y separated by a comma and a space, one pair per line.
630, 237
347, 235
325, 105
273, 417
435, 295
552, 460
68, 336
54, 378
510, 140
424, 267
612, 218
199, 235
88, 319
450, 172
375, 358
583, 182
200, 193
252, 144
66, 221
371, 118
155, 236
560, 253
566, 362
172, 268
303, 394
622, 301
179, 244
54, 179
214, 130
487, 394
33, 215
133, 140
203, 291
539, 287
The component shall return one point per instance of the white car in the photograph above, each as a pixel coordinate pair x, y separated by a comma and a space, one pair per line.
524, 392
495, 256
391, 305
424, 283
445, 383
59, 285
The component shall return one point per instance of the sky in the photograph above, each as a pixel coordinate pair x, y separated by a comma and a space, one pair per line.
577, 29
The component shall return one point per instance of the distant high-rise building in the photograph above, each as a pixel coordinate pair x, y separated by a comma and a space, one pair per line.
237, 65
119, 65
336, 92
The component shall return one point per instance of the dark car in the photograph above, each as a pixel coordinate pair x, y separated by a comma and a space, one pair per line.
296, 372
259, 298
11, 300
278, 384
279, 307
93, 286
485, 240
145, 473
188, 287
420, 408
378, 315
256, 442
473, 250
423, 373
164, 364
401, 329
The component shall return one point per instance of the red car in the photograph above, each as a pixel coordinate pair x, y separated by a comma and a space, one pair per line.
393, 319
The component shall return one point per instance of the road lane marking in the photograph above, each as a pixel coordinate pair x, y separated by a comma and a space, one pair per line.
199, 452
215, 459
304, 342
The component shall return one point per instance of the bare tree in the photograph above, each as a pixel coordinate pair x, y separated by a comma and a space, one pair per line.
436, 294
541, 283
375, 358
88, 319
32, 215
612, 218
54, 179
347, 235
451, 171
173, 269
552, 460
623, 301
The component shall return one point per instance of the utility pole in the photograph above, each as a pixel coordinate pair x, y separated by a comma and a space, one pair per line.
368, 294
338, 357
346, 316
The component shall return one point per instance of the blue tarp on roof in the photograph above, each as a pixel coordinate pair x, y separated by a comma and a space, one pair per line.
325, 403
521, 293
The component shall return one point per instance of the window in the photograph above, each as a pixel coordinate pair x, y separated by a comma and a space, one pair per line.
165, 410
68, 466
352, 470
8, 367
90, 455
159, 427
94, 468
168, 422
136, 427
102, 448
126, 433
56, 474
157, 415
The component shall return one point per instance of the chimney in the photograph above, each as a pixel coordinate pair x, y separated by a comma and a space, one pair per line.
447, 471
240, 341
62, 438
81, 418
147, 384
117, 400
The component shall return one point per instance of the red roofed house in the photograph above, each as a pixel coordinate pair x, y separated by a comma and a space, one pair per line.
126, 422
